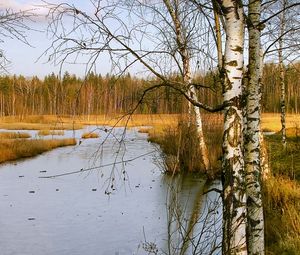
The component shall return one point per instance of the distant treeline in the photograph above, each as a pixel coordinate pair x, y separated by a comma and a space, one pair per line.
110, 94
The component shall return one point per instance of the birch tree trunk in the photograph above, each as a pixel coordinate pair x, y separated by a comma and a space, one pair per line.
181, 41
234, 197
198, 120
255, 218
281, 70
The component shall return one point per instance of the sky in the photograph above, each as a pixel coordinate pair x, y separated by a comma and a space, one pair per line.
30, 60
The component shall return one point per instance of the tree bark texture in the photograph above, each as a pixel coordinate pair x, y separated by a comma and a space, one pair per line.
182, 44
234, 197
281, 70
255, 217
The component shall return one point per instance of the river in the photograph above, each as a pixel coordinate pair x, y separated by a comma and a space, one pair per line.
98, 211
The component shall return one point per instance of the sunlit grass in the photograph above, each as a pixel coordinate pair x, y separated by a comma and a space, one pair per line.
181, 146
20, 148
50, 132
89, 135
39, 126
14, 135
52, 122
282, 207
282, 195
271, 121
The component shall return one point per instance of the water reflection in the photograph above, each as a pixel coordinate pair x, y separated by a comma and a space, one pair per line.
194, 218
73, 215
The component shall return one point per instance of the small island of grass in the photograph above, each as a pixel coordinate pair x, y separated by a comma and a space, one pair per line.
89, 135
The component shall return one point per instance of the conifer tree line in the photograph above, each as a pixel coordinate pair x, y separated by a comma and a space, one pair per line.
109, 94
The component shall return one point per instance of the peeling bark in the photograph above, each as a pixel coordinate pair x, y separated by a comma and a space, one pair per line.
234, 197
255, 217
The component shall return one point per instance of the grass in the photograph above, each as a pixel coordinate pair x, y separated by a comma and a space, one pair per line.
89, 135
14, 135
20, 148
35, 122
282, 196
50, 132
282, 207
271, 121
180, 145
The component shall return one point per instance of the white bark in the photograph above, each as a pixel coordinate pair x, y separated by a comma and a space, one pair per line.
198, 119
264, 159
281, 70
234, 198
255, 217
181, 41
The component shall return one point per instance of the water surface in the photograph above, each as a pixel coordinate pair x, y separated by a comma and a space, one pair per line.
72, 214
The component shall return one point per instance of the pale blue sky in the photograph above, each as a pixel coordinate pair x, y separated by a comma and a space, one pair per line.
24, 59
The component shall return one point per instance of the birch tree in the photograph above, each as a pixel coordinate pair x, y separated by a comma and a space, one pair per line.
182, 42
160, 36
255, 218
281, 70
234, 196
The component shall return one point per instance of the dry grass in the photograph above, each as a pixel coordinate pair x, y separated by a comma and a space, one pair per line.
52, 122
14, 135
282, 207
16, 149
181, 146
39, 126
89, 135
282, 196
50, 132
145, 130
271, 121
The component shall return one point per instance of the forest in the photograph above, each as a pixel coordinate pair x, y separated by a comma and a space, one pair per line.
96, 94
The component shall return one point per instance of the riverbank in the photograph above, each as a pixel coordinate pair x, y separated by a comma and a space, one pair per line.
13, 149
270, 121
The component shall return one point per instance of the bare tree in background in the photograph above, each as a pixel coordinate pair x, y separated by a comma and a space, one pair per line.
161, 37
283, 29
13, 25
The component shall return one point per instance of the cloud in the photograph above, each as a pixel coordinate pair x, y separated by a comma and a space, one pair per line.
34, 6
18, 5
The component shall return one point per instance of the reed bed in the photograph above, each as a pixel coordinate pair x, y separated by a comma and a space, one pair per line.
89, 135
39, 126
180, 145
20, 148
14, 135
270, 121
75, 122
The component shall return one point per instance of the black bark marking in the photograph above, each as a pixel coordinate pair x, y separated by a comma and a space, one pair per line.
238, 49
232, 63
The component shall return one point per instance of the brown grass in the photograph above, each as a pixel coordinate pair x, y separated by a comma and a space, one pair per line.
50, 132
145, 130
180, 145
271, 121
89, 135
66, 122
16, 149
282, 207
282, 195
13, 135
